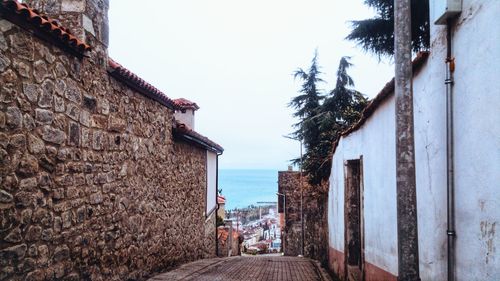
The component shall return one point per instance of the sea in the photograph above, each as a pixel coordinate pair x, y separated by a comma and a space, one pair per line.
243, 188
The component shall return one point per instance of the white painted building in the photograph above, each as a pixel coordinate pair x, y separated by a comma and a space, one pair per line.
370, 147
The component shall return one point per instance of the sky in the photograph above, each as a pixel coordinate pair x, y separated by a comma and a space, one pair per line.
235, 59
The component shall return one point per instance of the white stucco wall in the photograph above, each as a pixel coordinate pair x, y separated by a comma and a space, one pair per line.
186, 118
376, 142
476, 47
211, 181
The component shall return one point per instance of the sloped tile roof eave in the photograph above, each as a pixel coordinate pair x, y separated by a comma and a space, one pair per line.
42, 26
375, 103
137, 83
184, 132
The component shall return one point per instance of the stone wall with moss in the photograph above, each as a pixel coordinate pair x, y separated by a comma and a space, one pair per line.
93, 185
314, 214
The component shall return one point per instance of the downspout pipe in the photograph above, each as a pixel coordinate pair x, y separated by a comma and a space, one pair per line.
450, 184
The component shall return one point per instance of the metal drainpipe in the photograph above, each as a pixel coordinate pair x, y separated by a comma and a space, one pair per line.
450, 198
301, 205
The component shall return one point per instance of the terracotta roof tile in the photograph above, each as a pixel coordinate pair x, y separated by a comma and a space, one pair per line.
23, 15
137, 83
186, 104
186, 133
221, 199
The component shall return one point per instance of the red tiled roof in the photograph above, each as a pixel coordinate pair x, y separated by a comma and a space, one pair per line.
221, 199
183, 131
386, 92
223, 233
186, 104
137, 83
43, 26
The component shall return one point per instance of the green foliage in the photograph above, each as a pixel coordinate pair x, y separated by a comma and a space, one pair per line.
307, 105
377, 34
340, 109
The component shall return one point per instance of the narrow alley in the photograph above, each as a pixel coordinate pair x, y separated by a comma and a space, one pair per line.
276, 268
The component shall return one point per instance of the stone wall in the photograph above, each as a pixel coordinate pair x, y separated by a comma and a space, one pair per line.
314, 212
93, 186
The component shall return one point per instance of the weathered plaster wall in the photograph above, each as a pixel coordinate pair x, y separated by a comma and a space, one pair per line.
477, 152
376, 143
186, 118
314, 210
92, 184
476, 140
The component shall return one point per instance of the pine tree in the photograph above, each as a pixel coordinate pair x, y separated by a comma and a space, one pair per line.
321, 123
340, 110
307, 105
377, 34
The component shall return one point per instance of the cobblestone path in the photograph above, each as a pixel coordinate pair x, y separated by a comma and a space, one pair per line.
272, 268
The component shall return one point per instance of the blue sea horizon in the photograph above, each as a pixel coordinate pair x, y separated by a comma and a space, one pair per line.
245, 187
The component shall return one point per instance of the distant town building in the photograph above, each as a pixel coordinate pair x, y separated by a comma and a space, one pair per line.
221, 209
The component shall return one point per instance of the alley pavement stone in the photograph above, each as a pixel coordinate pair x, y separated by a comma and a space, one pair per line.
265, 268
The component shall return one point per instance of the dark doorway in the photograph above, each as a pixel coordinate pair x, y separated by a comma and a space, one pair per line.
353, 220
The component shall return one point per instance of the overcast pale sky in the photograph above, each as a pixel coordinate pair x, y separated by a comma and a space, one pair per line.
235, 59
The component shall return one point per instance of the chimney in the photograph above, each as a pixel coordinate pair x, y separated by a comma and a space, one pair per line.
184, 113
86, 19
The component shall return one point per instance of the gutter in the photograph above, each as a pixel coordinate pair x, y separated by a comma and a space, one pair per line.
199, 143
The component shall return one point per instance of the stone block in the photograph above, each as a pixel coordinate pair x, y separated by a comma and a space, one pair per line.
74, 134
5, 25
35, 144
73, 92
97, 140
53, 135
66, 219
28, 166
59, 105
14, 117
23, 44
28, 122
17, 141
5, 197
34, 233
116, 124
88, 25
47, 94
40, 71
4, 63
60, 70
14, 236
73, 6
28, 184
14, 253
99, 121
85, 118
95, 198
3, 43
73, 111
44, 117
61, 253
22, 68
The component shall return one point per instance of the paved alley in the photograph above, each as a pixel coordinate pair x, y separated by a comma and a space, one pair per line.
266, 268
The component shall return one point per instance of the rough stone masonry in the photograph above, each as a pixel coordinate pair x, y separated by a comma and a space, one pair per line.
314, 213
93, 186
